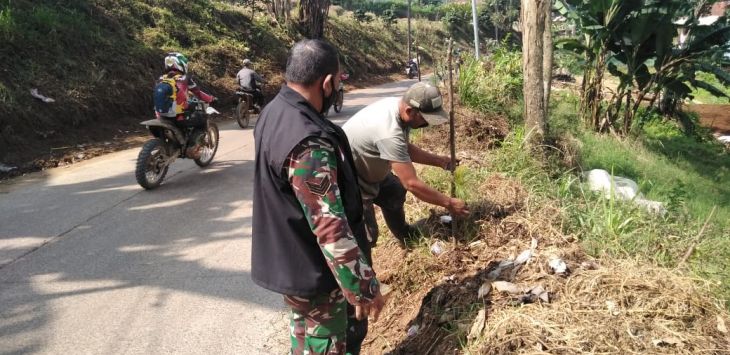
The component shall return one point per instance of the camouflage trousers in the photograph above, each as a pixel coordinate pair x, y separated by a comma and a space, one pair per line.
325, 325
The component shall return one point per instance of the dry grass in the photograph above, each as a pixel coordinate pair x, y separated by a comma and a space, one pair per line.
620, 307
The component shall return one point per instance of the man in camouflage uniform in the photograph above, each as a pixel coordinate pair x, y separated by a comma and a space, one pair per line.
309, 239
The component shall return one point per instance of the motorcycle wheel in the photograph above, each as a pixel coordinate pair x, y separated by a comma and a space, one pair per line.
211, 146
151, 168
242, 115
340, 99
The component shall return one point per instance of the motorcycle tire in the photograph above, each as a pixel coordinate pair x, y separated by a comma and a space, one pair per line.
149, 172
339, 100
211, 146
242, 115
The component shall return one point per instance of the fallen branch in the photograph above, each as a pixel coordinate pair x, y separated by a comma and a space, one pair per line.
696, 241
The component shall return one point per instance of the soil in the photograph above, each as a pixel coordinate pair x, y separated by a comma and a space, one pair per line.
715, 117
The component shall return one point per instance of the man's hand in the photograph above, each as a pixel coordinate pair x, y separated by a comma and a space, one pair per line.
372, 308
448, 164
457, 207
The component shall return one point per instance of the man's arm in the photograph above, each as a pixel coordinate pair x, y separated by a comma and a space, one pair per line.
408, 177
421, 156
258, 78
193, 87
312, 171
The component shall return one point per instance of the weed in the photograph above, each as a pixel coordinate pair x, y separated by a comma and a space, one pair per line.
7, 23
495, 86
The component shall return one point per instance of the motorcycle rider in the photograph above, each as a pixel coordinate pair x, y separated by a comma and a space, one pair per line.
176, 71
248, 81
412, 67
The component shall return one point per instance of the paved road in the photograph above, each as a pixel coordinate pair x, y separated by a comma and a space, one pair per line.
92, 264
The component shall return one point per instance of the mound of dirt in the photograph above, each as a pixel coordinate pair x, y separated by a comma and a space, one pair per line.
476, 132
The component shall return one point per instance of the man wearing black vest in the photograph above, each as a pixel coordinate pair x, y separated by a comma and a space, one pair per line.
309, 239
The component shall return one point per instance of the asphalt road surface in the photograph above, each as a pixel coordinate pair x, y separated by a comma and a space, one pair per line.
90, 263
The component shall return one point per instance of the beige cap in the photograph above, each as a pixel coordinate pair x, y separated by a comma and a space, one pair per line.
427, 99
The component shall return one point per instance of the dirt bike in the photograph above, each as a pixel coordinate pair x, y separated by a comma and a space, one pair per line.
246, 106
340, 98
171, 142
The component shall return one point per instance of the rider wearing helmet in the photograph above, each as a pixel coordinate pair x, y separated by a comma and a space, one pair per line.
248, 81
176, 67
176, 70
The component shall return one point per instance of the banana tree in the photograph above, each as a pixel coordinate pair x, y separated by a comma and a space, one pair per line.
634, 41
596, 21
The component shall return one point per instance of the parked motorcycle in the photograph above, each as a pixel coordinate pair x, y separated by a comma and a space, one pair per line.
171, 142
340, 98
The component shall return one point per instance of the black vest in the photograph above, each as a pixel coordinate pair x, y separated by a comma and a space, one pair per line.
285, 256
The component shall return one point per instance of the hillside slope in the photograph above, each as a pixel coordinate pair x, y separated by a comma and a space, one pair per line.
99, 59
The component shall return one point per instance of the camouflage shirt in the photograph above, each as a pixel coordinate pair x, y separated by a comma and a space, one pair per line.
312, 171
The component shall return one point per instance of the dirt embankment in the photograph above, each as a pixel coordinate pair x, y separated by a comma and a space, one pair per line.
715, 117
99, 60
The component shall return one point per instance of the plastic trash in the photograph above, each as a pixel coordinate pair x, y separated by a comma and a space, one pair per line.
34, 92
437, 248
413, 330
558, 265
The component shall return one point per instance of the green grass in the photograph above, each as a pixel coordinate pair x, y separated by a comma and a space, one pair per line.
492, 88
688, 174
704, 96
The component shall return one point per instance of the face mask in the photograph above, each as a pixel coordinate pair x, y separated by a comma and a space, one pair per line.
327, 101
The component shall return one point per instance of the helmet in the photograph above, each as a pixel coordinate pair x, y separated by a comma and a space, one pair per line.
176, 61
246, 62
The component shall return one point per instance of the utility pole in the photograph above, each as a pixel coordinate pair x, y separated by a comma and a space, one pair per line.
418, 52
476, 26
409, 31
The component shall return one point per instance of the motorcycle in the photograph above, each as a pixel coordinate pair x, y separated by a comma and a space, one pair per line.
244, 108
411, 70
171, 142
340, 94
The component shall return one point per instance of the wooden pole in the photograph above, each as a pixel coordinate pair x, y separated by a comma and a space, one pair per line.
452, 134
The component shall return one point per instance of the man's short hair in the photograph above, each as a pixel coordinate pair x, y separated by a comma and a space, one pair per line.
309, 60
